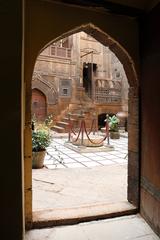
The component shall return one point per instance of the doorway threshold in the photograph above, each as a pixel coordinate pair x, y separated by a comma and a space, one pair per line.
69, 216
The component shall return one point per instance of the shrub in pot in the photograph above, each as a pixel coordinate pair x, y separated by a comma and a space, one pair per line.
40, 141
113, 127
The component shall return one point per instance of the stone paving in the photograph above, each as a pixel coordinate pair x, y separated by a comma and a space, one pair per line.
79, 187
80, 179
128, 227
59, 156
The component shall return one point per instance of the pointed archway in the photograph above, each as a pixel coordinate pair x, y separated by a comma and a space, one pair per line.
133, 119
38, 104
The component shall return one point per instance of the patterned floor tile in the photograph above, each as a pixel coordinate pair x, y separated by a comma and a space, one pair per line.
97, 158
119, 160
72, 159
92, 164
106, 162
88, 154
68, 160
74, 165
82, 159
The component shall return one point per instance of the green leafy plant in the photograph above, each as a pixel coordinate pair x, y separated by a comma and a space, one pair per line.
113, 123
41, 139
49, 120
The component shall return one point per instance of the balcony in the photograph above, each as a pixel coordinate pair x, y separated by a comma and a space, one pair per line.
60, 52
107, 91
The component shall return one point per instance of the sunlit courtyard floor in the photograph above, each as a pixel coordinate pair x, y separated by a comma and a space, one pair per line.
60, 156
77, 180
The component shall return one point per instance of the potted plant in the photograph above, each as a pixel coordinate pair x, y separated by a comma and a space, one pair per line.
41, 139
113, 127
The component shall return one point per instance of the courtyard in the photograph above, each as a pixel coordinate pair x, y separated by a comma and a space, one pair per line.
60, 156
84, 184
77, 181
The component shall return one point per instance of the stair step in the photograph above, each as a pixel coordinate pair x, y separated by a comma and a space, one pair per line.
75, 115
66, 119
58, 129
63, 124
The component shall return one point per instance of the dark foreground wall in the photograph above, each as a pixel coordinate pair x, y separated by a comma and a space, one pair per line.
11, 226
150, 118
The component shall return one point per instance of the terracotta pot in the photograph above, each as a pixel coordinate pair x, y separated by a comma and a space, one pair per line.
114, 135
38, 159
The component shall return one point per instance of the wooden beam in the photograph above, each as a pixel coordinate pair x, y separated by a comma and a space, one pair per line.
108, 6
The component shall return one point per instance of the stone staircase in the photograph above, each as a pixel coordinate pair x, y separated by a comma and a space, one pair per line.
82, 104
62, 126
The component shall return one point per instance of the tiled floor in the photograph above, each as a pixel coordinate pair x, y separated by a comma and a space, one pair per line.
59, 156
128, 227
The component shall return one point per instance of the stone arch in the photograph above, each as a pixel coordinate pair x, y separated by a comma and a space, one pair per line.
101, 118
46, 88
39, 106
113, 45
133, 118
133, 101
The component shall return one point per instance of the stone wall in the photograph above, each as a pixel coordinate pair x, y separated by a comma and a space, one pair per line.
84, 49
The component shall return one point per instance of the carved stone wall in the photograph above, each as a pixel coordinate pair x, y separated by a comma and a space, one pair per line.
108, 80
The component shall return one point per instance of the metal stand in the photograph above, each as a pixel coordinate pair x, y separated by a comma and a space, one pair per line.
82, 129
69, 132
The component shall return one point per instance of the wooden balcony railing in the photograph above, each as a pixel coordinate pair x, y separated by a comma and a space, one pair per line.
60, 52
107, 91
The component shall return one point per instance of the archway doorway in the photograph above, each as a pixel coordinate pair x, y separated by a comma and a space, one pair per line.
38, 105
89, 70
133, 196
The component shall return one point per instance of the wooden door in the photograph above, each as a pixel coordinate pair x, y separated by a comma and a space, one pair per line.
38, 105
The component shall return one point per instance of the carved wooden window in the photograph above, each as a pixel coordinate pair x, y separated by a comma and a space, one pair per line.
61, 49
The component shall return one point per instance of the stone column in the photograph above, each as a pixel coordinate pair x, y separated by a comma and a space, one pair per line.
133, 147
75, 65
106, 62
109, 64
76, 57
